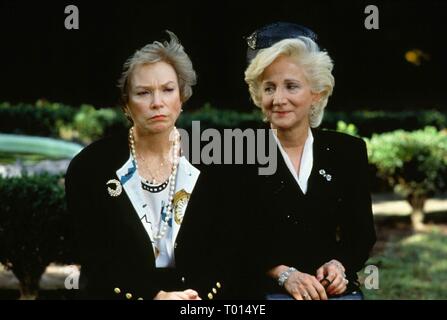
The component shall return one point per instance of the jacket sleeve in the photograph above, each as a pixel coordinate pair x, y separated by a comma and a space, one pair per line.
88, 245
357, 233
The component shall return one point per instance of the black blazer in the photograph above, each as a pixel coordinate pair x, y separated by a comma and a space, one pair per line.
114, 249
332, 221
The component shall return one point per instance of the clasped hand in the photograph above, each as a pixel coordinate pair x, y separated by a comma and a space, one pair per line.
330, 279
188, 294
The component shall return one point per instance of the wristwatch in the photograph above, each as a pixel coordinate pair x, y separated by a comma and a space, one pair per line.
285, 275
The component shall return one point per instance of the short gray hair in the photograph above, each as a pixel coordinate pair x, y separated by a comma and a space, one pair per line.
171, 52
316, 64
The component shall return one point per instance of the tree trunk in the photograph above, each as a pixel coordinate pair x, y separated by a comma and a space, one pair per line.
417, 203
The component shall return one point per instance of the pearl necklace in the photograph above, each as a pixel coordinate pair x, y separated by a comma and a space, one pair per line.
172, 178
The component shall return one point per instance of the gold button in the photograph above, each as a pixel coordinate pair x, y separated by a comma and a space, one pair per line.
214, 290
218, 285
117, 290
128, 296
140, 298
210, 296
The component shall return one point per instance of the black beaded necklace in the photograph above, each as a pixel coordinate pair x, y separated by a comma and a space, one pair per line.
154, 188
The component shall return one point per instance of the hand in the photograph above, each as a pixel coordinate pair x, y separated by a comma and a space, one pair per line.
303, 286
332, 276
188, 294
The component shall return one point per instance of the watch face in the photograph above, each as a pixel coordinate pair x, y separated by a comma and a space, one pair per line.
180, 201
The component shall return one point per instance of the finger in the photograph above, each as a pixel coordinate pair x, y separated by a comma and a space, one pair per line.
181, 296
320, 273
325, 283
170, 295
341, 288
173, 296
159, 295
311, 284
331, 274
306, 295
191, 293
337, 264
318, 287
335, 284
312, 292
311, 288
297, 295
296, 292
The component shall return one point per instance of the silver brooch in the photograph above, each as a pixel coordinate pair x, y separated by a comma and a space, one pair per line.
117, 190
325, 175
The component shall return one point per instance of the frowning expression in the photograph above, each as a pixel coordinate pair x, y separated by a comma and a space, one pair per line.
154, 97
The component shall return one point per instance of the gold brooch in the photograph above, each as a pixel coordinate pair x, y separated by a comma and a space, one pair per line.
117, 190
180, 201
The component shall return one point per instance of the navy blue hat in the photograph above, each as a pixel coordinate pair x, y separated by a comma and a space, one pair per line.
268, 35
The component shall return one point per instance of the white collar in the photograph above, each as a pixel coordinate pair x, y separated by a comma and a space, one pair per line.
307, 160
187, 176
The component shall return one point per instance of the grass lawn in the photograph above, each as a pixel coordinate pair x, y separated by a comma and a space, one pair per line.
411, 265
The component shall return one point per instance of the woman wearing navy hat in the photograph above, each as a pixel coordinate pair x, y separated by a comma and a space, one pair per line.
315, 225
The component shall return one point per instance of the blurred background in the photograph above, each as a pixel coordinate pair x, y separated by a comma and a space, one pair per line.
41, 59
58, 93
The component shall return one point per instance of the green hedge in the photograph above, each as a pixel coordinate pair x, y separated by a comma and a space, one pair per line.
370, 122
414, 163
87, 123
41, 119
210, 117
34, 226
84, 124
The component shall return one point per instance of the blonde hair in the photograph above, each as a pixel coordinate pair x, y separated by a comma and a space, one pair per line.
316, 64
171, 52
